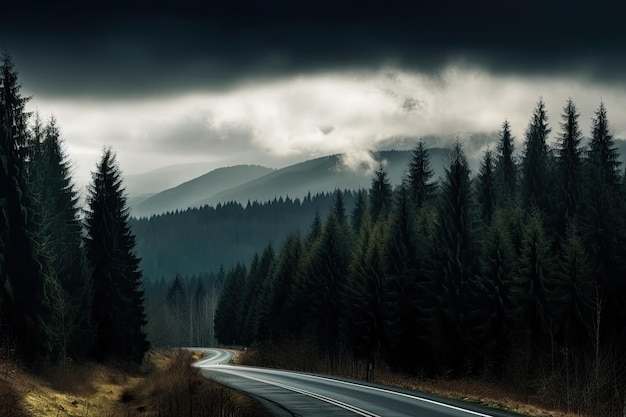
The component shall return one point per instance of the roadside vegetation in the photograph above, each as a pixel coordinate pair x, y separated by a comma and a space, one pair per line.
164, 384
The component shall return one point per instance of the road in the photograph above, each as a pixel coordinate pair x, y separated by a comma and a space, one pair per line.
288, 393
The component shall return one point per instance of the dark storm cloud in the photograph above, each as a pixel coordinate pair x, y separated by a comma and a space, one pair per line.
91, 48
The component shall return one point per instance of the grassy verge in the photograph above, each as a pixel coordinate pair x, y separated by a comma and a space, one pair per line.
164, 385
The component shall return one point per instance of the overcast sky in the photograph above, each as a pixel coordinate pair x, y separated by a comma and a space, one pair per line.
277, 82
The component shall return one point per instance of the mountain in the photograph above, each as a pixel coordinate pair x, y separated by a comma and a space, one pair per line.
190, 193
319, 175
245, 183
163, 178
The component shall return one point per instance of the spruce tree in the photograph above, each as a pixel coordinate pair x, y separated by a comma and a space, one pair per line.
603, 226
403, 285
327, 270
535, 164
118, 302
531, 304
420, 175
569, 160
26, 309
491, 298
284, 313
364, 316
454, 260
380, 194
486, 188
506, 168
228, 316
61, 229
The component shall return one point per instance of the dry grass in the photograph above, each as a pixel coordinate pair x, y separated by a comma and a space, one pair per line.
165, 385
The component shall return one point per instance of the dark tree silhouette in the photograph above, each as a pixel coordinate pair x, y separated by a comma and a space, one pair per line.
117, 309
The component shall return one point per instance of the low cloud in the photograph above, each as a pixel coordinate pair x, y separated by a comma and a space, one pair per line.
284, 121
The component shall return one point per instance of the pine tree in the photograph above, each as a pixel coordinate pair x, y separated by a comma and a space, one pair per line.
454, 260
569, 160
327, 270
420, 175
25, 304
603, 226
176, 301
364, 316
404, 256
486, 188
118, 302
228, 316
491, 296
380, 194
535, 164
359, 210
530, 301
284, 313
506, 168
572, 291
61, 229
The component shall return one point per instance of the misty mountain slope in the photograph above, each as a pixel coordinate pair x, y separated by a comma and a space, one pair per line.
321, 175
163, 178
190, 193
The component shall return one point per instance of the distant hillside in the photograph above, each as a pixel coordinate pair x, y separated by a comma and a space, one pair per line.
313, 176
191, 193
163, 178
253, 183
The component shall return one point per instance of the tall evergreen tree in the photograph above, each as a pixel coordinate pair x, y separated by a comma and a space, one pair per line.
118, 301
360, 207
491, 299
364, 315
229, 321
569, 160
284, 312
603, 226
486, 188
61, 229
380, 194
531, 302
24, 304
535, 164
455, 259
420, 176
506, 169
328, 268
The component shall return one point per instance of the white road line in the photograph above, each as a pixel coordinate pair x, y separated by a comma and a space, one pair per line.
320, 397
401, 394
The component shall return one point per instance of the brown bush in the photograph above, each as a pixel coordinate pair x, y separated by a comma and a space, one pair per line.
180, 390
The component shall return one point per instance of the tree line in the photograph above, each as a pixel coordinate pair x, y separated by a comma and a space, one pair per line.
202, 239
70, 284
515, 274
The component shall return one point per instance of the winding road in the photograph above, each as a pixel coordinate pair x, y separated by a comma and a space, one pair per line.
287, 393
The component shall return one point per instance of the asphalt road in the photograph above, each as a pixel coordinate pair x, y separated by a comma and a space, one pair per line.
288, 393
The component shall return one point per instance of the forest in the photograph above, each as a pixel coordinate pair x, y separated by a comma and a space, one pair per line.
516, 274
70, 283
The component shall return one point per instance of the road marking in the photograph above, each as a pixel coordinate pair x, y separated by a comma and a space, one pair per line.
320, 397
401, 394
